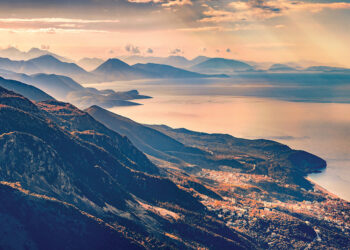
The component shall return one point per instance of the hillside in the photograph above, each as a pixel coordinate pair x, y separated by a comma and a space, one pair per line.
28, 91
56, 150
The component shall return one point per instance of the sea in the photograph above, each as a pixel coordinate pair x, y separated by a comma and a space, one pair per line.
306, 116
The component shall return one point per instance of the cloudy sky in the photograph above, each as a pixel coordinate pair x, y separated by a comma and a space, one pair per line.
259, 30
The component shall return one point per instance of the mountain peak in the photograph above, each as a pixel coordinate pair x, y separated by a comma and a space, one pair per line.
112, 65
11, 49
115, 62
46, 57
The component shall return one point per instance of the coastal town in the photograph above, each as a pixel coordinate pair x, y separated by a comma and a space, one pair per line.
262, 214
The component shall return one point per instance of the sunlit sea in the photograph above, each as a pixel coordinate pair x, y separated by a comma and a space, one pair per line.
321, 128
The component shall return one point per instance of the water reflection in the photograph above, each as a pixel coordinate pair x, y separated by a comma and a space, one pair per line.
320, 128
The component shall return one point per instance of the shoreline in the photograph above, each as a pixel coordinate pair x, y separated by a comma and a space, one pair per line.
324, 190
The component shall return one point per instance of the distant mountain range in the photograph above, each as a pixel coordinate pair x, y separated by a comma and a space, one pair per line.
115, 69
221, 65
13, 53
90, 63
47, 64
66, 89
281, 68
138, 67
175, 61
111, 70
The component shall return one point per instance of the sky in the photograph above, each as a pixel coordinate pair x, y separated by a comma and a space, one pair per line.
251, 30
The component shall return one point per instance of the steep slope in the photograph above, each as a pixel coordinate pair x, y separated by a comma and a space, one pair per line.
56, 150
146, 139
28, 91
38, 222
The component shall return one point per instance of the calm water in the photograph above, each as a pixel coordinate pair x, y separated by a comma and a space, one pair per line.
320, 128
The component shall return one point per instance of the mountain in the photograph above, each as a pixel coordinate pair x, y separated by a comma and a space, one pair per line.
148, 140
45, 64
15, 54
56, 85
28, 91
327, 69
66, 89
55, 151
90, 63
281, 68
68, 180
38, 222
258, 186
221, 65
199, 59
166, 71
175, 61
51, 65
271, 158
115, 69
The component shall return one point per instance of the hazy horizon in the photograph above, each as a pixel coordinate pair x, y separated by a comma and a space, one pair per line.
261, 31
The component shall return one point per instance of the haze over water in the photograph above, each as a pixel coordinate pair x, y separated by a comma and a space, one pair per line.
319, 128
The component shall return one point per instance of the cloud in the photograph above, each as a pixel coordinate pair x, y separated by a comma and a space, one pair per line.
45, 47
57, 24
132, 49
205, 29
149, 51
164, 3
145, 1
259, 9
176, 51
177, 3
55, 20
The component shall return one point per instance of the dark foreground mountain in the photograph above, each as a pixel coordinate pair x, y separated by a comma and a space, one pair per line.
32, 221
74, 163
